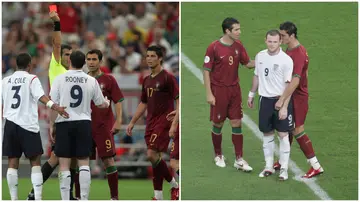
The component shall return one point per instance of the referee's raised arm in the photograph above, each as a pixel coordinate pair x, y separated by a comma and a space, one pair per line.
56, 36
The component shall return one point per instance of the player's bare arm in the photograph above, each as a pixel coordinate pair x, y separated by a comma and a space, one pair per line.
283, 112
50, 104
254, 87
118, 121
288, 92
209, 95
140, 110
175, 122
56, 35
251, 64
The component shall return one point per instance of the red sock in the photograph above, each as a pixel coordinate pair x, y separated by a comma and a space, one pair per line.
112, 177
238, 145
305, 145
216, 139
157, 176
165, 171
77, 185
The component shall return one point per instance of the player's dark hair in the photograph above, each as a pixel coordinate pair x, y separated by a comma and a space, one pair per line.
97, 52
23, 60
290, 28
158, 50
64, 46
77, 59
228, 24
273, 32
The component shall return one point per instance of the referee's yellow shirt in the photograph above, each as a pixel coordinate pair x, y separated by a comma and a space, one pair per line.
55, 69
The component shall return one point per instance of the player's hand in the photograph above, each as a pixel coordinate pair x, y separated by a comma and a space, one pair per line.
107, 101
116, 128
129, 129
250, 102
54, 16
279, 104
171, 115
283, 113
61, 111
172, 131
210, 99
52, 133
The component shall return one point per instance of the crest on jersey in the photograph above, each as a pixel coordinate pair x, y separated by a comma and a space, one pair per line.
157, 84
218, 116
236, 51
276, 66
102, 86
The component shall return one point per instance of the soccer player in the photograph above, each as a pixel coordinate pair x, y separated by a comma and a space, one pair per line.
223, 92
298, 88
75, 89
20, 93
174, 134
273, 71
103, 125
159, 90
59, 64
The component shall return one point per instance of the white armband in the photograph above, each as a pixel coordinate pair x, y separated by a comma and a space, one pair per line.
50, 104
251, 94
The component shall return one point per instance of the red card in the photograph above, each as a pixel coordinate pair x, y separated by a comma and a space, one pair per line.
52, 8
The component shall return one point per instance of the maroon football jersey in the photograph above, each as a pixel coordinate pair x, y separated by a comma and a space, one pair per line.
110, 89
300, 58
159, 93
223, 61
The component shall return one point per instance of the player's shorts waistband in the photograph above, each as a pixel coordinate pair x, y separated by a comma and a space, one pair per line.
271, 98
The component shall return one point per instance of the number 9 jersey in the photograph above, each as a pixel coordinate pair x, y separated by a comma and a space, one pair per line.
75, 90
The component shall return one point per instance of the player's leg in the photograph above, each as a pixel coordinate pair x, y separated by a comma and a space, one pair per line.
174, 155
300, 112
155, 159
83, 149
266, 126
218, 114
174, 163
235, 115
12, 149
112, 176
74, 180
36, 176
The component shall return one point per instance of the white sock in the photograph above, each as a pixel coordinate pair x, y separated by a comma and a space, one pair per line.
158, 194
284, 152
65, 180
37, 181
84, 181
12, 180
314, 163
269, 147
173, 183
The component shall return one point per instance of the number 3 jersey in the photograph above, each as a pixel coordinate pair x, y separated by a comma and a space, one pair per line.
75, 90
20, 94
159, 93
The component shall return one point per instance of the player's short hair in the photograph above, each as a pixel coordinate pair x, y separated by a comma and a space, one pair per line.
273, 32
23, 60
97, 52
289, 27
77, 59
64, 46
157, 49
228, 24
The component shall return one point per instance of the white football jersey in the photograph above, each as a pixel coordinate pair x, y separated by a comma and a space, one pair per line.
274, 71
20, 94
75, 90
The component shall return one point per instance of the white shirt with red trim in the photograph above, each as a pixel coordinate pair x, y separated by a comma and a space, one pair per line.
20, 94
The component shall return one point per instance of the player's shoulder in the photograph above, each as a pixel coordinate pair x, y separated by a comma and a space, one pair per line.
214, 43
261, 53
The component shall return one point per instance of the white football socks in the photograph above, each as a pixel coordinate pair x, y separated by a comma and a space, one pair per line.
84, 181
12, 180
65, 180
173, 183
37, 181
284, 152
268, 148
314, 163
158, 194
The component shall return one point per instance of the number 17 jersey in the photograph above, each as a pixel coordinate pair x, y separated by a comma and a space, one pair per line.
75, 90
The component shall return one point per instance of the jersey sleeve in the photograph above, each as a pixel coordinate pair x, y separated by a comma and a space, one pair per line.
55, 91
36, 89
143, 93
244, 57
288, 70
55, 69
209, 57
299, 63
173, 87
256, 69
116, 94
98, 96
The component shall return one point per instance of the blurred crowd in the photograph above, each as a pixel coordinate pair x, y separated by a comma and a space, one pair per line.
122, 31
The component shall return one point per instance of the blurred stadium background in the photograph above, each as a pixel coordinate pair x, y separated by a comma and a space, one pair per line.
122, 31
